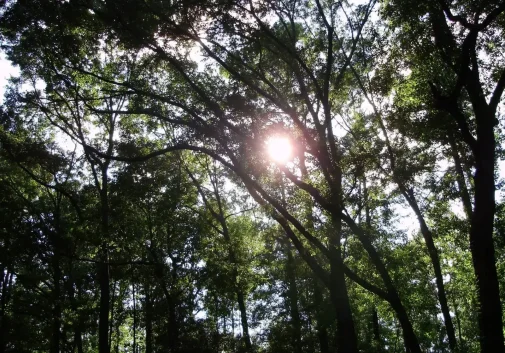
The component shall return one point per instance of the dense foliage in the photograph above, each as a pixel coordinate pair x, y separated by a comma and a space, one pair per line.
143, 209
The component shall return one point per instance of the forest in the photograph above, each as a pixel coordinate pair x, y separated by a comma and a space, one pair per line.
252, 176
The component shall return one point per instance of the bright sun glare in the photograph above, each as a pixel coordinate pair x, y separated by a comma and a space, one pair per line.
279, 149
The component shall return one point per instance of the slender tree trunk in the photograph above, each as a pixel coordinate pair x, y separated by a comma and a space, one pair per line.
111, 320
376, 331
240, 294
442, 296
322, 332
103, 270
410, 338
460, 178
221, 218
103, 324
78, 339
368, 217
458, 323
173, 320
481, 238
118, 336
149, 320
217, 335
435, 261
78, 321
293, 303
3, 306
232, 317
428, 238
56, 312
6, 286
243, 320
134, 320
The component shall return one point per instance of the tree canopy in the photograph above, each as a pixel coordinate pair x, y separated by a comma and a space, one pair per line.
252, 176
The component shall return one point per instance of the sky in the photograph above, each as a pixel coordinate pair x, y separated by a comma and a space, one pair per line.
6, 71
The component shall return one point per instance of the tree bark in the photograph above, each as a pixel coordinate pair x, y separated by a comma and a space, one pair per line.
410, 338
103, 270
346, 333
103, 324
409, 196
149, 320
458, 322
56, 312
435, 261
243, 321
6, 286
481, 239
322, 332
78, 339
293, 303
134, 319
112, 318
483, 149
172, 312
460, 178
78, 321
221, 218
376, 331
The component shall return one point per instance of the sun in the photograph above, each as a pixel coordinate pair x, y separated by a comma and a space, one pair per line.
279, 149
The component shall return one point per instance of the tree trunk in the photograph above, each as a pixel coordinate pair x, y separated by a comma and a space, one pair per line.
428, 238
6, 286
243, 320
435, 261
322, 332
221, 218
293, 303
481, 239
483, 149
410, 338
460, 178
56, 312
376, 332
458, 322
111, 319
172, 312
134, 319
118, 336
149, 320
346, 333
78, 339
103, 270
103, 323
78, 321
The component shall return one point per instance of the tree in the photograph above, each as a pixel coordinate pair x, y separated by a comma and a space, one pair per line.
221, 79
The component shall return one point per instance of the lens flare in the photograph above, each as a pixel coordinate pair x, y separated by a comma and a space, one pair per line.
279, 149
